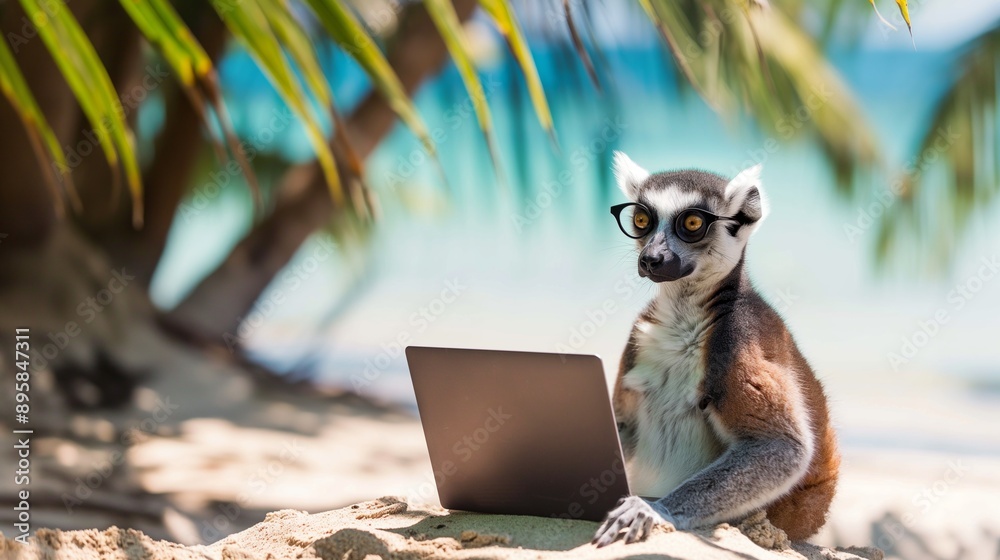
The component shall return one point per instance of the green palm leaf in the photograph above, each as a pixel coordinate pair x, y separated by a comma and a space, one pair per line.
740, 57
43, 139
960, 141
503, 17
296, 42
79, 64
680, 59
165, 30
443, 14
814, 84
249, 24
345, 29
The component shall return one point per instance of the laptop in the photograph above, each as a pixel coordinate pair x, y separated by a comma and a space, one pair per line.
519, 432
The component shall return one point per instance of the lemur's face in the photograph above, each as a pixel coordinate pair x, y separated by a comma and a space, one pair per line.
688, 223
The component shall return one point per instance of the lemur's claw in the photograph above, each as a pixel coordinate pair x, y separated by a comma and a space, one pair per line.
633, 514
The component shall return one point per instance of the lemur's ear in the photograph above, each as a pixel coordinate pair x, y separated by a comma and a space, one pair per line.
745, 199
629, 175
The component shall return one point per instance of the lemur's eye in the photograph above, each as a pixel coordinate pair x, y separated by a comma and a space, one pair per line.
693, 222
641, 219
691, 225
634, 219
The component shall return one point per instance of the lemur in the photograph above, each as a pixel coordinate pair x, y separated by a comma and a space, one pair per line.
718, 412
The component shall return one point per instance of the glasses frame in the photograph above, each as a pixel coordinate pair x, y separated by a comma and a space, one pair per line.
617, 210
684, 235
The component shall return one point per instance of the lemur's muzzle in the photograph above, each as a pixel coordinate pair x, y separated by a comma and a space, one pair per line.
660, 264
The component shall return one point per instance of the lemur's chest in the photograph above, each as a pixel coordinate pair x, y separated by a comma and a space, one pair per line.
673, 437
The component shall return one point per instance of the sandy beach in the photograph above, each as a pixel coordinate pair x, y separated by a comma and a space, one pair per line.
390, 528
206, 452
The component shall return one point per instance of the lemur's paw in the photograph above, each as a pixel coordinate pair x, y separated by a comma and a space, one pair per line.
634, 515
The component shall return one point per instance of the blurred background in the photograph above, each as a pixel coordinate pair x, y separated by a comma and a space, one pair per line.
240, 350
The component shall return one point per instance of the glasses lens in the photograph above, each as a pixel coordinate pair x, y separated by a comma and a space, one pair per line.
634, 220
641, 220
691, 225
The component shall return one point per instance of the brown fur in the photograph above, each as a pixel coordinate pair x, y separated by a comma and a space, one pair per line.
754, 403
625, 401
803, 511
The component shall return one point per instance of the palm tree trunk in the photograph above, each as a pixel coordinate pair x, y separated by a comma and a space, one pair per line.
218, 304
167, 178
27, 207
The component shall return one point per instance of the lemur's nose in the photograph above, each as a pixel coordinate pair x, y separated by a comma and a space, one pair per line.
649, 262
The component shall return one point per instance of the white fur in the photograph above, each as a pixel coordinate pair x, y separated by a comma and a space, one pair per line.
801, 415
739, 187
675, 440
726, 252
671, 200
628, 174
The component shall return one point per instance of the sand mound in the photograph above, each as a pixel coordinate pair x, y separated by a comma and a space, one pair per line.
389, 528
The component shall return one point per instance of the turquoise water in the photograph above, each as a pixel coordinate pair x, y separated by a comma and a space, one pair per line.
537, 260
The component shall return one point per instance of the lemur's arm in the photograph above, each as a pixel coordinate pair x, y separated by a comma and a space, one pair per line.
757, 408
625, 400
750, 475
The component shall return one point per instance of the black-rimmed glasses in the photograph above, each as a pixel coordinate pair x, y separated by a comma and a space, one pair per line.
636, 221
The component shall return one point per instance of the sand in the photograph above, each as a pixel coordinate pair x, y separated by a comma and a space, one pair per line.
391, 528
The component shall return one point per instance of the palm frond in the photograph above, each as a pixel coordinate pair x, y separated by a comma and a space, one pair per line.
163, 28
295, 39
581, 49
348, 33
250, 25
905, 12
738, 57
443, 14
962, 140
505, 20
87, 77
43, 140
296, 42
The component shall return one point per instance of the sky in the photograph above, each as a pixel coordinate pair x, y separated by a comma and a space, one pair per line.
937, 24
